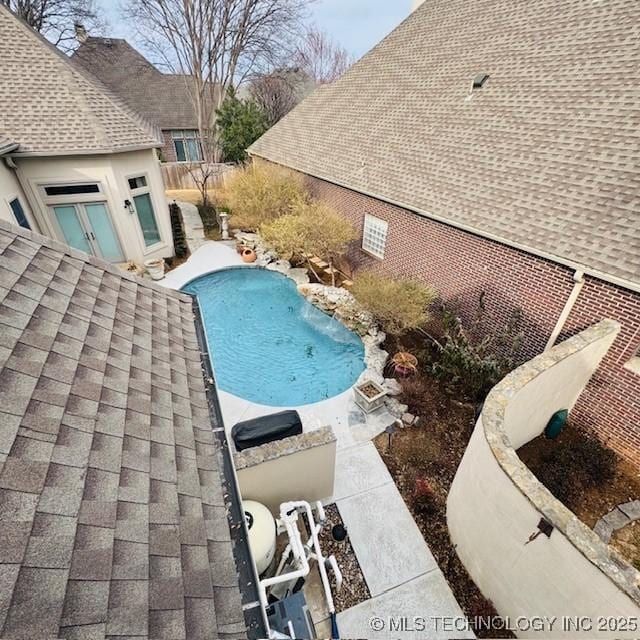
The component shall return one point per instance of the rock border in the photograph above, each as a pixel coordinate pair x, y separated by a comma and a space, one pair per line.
623, 515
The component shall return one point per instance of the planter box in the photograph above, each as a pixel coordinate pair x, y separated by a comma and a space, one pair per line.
366, 399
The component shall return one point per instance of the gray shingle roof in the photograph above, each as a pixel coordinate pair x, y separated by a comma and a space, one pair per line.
6, 144
50, 106
544, 157
112, 515
161, 98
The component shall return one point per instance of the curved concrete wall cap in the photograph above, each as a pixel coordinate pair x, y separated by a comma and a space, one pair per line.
495, 502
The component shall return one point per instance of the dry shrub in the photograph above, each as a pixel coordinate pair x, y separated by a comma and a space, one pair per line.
572, 467
314, 228
397, 304
259, 193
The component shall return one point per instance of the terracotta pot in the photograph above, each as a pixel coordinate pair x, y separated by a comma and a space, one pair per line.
248, 255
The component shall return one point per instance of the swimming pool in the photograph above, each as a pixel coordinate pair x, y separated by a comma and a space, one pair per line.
268, 344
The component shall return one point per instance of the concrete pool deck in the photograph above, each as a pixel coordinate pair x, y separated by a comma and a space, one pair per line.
404, 579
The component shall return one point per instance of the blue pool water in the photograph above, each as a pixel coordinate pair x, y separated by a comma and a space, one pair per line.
268, 344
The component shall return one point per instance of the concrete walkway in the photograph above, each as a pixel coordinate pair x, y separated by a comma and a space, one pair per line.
409, 593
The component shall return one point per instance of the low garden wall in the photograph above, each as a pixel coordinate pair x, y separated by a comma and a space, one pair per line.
296, 468
579, 584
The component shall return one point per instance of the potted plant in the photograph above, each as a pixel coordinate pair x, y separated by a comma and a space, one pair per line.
404, 363
369, 395
155, 267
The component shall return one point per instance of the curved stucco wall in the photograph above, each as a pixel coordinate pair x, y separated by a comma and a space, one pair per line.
496, 503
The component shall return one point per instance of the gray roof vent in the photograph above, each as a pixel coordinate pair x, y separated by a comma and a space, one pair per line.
479, 80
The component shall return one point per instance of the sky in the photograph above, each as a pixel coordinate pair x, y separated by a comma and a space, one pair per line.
355, 24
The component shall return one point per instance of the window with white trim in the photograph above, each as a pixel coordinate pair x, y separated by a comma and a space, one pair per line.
186, 144
18, 213
143, 207
374, 235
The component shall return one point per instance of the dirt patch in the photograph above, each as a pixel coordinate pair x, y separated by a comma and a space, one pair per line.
422, 461
588, 478
354, 588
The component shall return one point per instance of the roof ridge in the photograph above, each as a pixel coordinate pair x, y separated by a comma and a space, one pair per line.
133, 116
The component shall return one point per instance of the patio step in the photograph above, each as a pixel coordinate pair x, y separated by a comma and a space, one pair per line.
347, 284
319, 262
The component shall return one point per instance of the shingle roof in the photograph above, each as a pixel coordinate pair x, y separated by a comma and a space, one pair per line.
6, 144
544, 157
160, 98
112, 515
50, 106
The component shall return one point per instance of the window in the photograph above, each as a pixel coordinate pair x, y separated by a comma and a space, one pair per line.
138, 182
374, 236
187, 145
71, 189
144, 210
19, 214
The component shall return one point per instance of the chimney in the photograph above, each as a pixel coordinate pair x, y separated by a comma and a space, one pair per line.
81, 33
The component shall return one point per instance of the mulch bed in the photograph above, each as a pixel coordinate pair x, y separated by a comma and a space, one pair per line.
354, 588
422, 461
583, 488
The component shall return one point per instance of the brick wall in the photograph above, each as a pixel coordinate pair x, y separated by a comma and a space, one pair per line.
168, 150
461, 266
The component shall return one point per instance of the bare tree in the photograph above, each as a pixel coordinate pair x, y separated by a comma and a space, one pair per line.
56, 19
215, 44
321, 57
276, 93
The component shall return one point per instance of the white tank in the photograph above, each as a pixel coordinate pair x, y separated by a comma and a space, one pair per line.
262, 533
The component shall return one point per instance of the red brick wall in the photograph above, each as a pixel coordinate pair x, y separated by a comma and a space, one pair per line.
461, 266
168, 150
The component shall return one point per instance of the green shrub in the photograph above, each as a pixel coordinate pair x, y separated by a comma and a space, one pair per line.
475, 364
399, 305
260, 193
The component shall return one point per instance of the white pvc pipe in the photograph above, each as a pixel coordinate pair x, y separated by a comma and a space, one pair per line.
578, 279
289, 517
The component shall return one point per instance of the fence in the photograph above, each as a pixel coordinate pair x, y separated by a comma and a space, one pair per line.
180, 175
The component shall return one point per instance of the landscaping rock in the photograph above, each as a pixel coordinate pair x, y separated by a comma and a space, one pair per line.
616, 519
392, 386
631, 509
395, 407
603, 531
408, 418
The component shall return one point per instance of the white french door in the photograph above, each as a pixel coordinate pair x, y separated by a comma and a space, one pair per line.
88, 227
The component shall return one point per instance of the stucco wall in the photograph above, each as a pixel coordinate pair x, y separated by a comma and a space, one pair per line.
495, 504
112, 171
297, 468
9, 189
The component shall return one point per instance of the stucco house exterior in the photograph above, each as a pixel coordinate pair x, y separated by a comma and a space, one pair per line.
160, 98
493, 152
76, 163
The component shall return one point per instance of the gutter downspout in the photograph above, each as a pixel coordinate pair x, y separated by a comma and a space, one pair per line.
578, 283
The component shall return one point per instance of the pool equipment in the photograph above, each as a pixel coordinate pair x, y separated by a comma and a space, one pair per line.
257, 431
261, 526
295, 565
